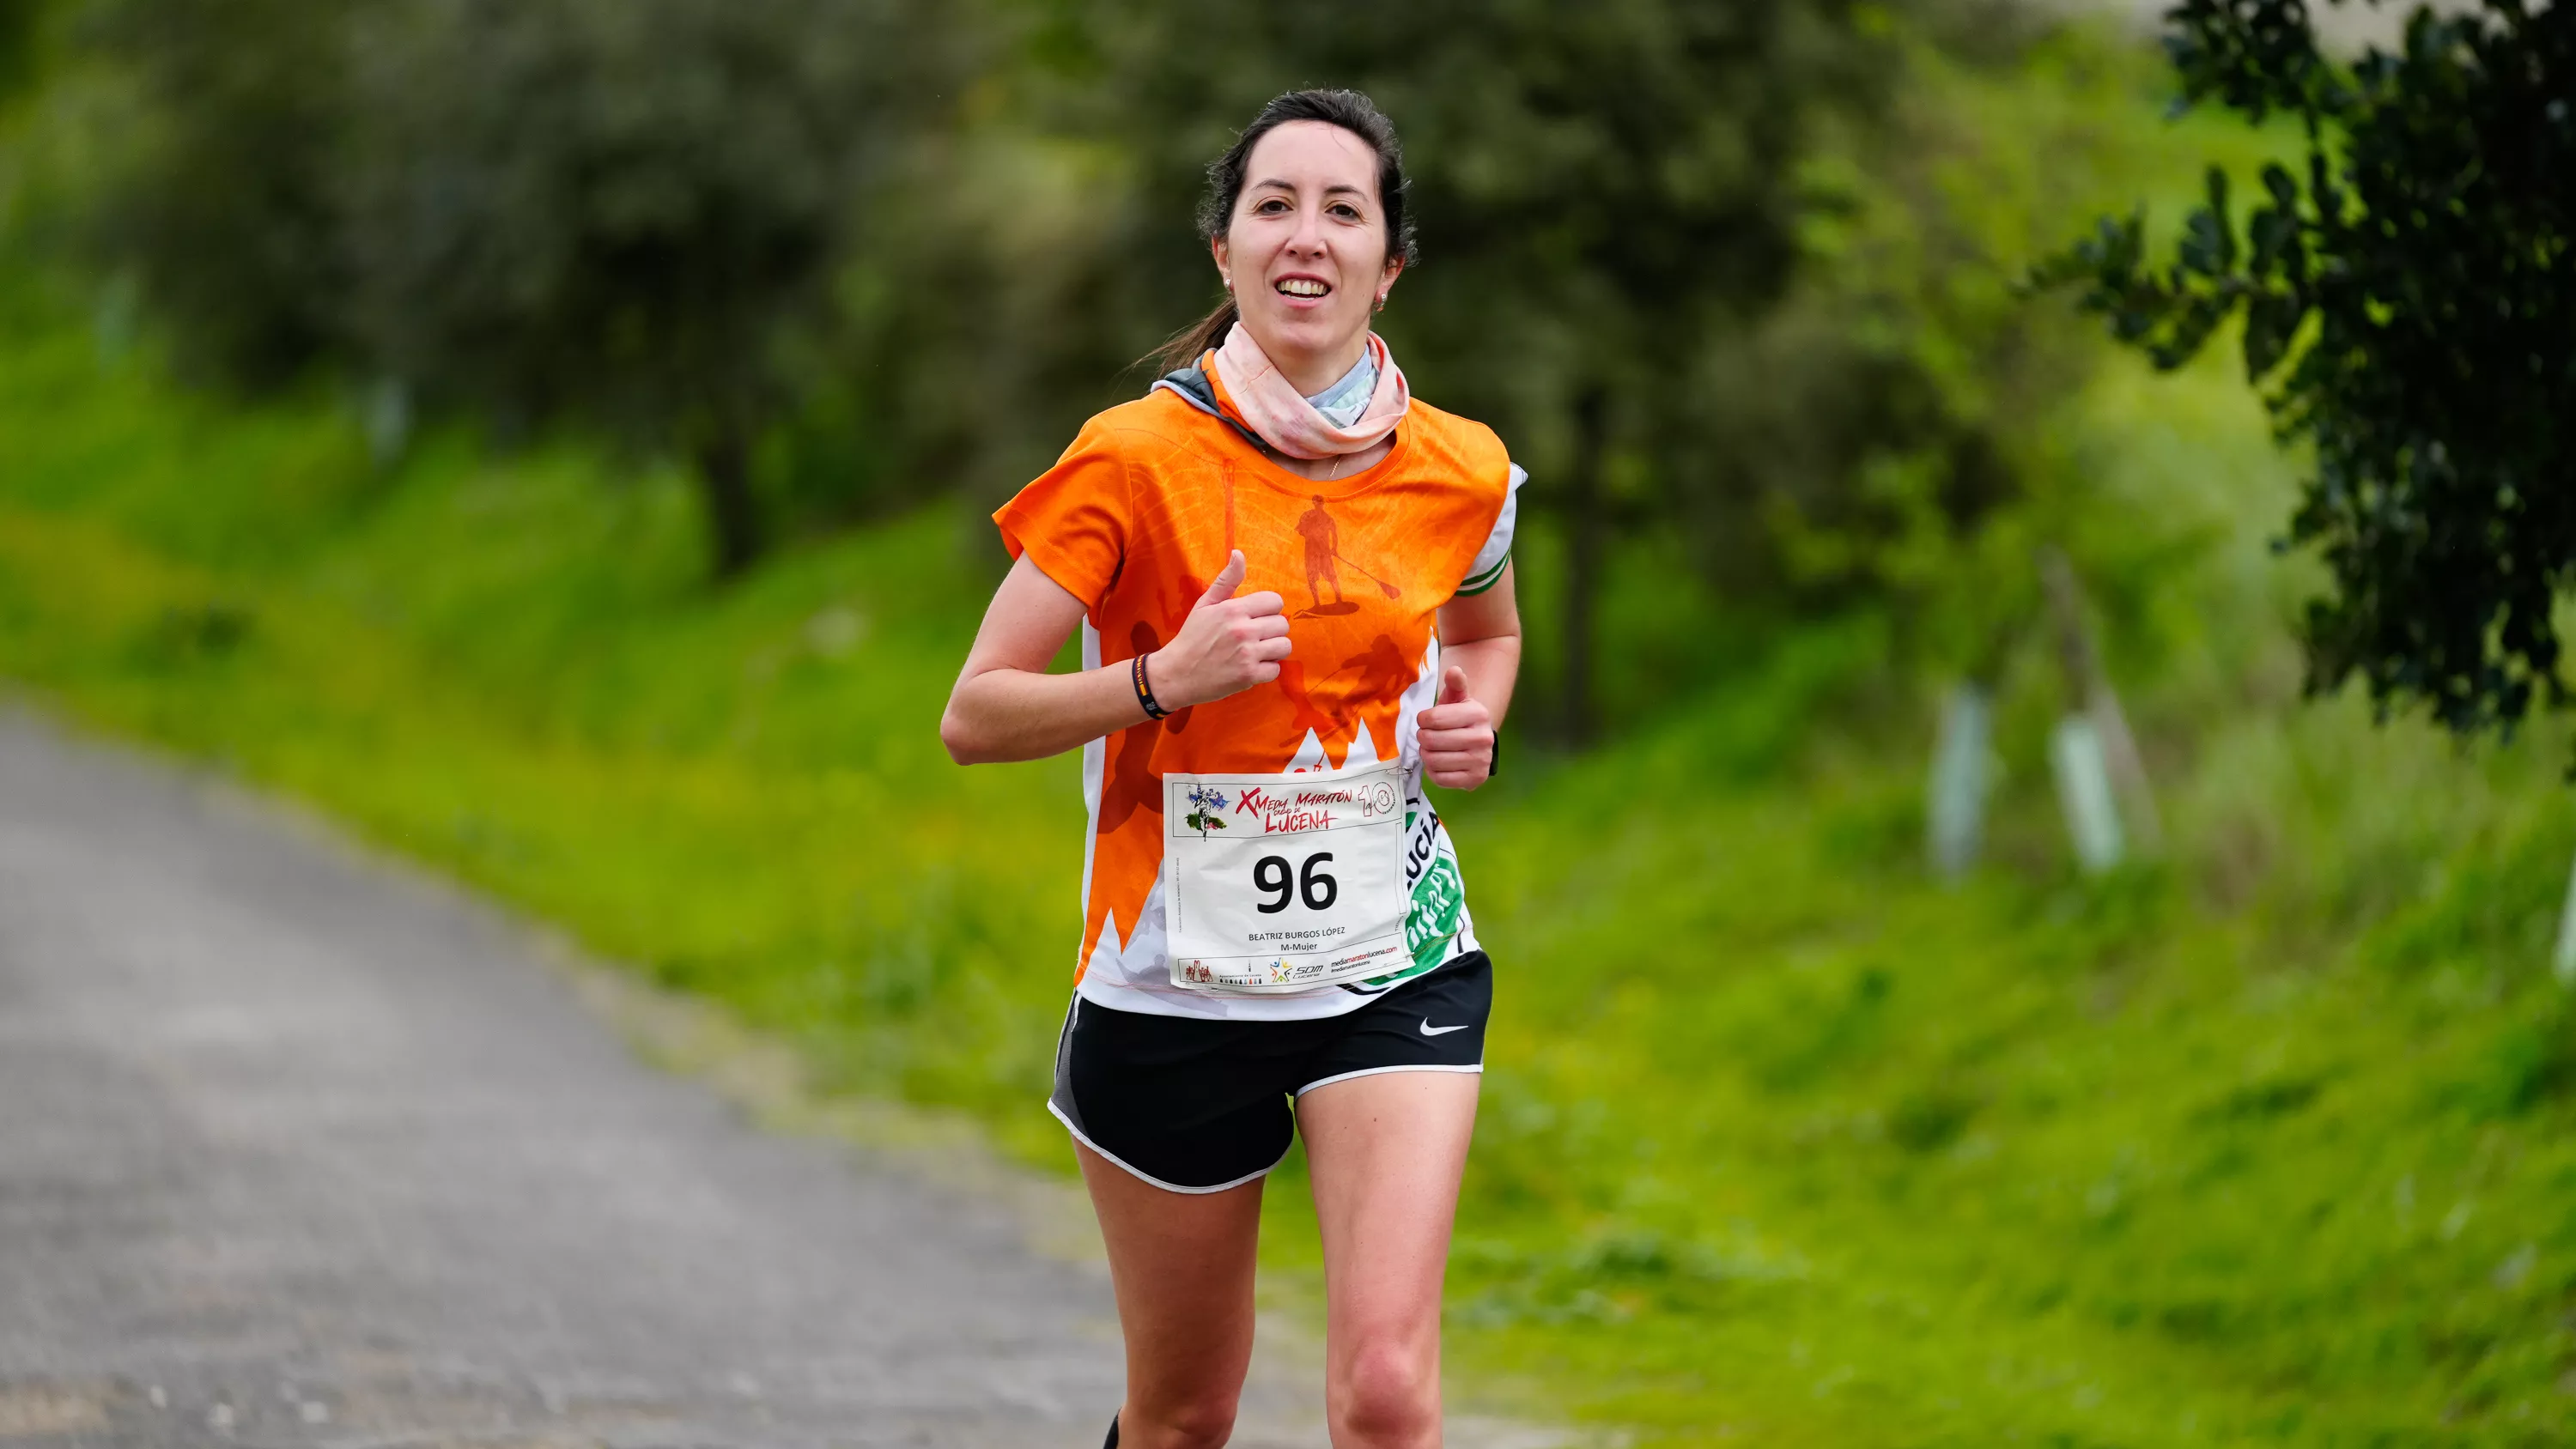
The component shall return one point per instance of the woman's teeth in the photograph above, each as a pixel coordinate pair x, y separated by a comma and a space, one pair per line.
1303, 287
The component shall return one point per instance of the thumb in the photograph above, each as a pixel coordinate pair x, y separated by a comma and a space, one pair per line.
1228, 579
1453, 686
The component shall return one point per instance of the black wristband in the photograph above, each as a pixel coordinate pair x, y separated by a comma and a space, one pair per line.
1494, 756
1145, 692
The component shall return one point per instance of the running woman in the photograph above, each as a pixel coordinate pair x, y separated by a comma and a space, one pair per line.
1275, 934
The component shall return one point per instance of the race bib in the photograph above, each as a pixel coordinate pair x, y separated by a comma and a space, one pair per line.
1284, 882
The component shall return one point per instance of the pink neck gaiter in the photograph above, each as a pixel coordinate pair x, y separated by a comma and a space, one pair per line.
1271, 406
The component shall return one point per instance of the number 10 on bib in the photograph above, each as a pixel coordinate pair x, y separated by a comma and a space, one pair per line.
1284, 882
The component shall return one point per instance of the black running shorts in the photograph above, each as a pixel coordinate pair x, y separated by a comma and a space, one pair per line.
1194, 1105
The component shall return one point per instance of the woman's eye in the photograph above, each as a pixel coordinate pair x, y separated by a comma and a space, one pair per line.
1271, 207
1347, 213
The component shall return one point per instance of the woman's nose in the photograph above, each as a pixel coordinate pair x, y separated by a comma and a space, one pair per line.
1309, 236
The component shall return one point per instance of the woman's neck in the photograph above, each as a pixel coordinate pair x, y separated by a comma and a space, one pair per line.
1312, 372
1326, 470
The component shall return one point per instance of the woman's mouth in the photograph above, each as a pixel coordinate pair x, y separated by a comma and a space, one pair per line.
1308, 287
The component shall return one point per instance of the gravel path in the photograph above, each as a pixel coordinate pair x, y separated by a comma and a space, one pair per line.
296, 1151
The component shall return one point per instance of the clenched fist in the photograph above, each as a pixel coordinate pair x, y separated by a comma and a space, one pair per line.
1457, 735
1226, 646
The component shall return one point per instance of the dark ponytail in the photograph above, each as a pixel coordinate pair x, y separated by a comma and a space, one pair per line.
1195, 341
1351, 111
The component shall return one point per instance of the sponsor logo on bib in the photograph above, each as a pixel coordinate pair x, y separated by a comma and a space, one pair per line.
1439, 900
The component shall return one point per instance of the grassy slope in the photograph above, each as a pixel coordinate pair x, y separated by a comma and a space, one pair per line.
2266, 1144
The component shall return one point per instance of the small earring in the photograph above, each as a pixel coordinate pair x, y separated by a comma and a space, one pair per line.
1381, 303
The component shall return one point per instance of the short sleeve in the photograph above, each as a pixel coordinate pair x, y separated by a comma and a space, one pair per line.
1487, 570
1071, 521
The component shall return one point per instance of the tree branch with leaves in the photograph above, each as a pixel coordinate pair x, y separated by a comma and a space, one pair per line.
2407, 301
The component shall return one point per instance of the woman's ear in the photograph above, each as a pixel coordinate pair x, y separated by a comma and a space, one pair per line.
1225, 274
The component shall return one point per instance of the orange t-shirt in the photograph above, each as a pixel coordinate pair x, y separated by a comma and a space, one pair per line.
1134, 520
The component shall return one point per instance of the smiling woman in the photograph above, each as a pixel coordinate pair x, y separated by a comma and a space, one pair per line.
1275, 935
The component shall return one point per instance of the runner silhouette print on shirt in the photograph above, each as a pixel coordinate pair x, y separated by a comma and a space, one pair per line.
1323, 551
1328, 705
1292, 683
1384, 676
1323, 544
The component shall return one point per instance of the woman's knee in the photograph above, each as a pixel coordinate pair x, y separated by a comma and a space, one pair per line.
1203, 1424
1387, 1394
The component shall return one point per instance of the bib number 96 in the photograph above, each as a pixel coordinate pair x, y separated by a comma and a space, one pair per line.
1284, 883
1315, 887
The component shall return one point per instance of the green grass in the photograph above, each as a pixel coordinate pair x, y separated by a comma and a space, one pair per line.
2267, 1142
511, 669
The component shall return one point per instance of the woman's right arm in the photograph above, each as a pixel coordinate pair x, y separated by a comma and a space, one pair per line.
1007, 707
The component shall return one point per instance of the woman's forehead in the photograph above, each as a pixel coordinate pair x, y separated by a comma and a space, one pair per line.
1309, 154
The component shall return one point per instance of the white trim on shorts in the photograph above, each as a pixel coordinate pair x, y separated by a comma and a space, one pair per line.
1478, 1068
1146, 1177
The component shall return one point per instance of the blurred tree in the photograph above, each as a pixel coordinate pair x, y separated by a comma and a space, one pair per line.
611, 209
222, 208
621, 212
2411, 305
1607, 196
17, 41
1882, 430
975, 325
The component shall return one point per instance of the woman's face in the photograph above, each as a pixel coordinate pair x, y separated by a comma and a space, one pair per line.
1306, 254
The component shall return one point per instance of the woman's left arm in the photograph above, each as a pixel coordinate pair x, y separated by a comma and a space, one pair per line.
1480, 658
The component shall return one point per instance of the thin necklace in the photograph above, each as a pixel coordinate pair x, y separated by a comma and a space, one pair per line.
1338, 460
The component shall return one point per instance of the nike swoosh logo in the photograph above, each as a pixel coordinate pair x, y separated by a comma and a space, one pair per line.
1429, 1030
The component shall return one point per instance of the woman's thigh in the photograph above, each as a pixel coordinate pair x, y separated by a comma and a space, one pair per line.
1386, 1153
1182, 1265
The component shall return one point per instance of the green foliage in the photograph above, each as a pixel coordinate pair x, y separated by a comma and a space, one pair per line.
620, 211
624, 209
222, 197
975, 325
2411, 300
610, 207
19, 24
1884, 416
1901, 417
